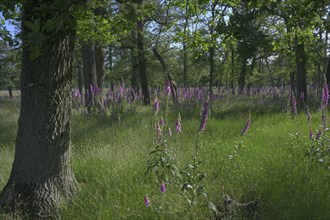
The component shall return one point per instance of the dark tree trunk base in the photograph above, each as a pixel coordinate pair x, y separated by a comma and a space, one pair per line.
36, 201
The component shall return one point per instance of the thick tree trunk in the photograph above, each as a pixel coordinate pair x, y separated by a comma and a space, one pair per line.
142, 62
89, 69
242, 77
41, 175
301, 73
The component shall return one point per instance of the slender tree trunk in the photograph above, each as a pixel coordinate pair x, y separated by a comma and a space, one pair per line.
10, 92
292, 81
301, 73
184, 46
167, 75
211, 60
89, 69
134, 70
211, 51
327, 75
232, 70
134, 63
142, 62
80, 77
41, 175
242, 77
250, 74
112, 83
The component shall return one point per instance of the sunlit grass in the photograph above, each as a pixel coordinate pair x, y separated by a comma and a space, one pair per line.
110, 159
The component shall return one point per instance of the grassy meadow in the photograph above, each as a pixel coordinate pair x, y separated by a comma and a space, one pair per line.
267, 167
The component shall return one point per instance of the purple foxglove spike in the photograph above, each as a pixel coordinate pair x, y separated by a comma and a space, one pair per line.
310, 134
146, 201
308, 116
168, 88
247, 125
169, 131
156, 105
325, 95
158, 133
161, 122
323, 120
178, 126
318, 135
204, 115
293, 104
163, 188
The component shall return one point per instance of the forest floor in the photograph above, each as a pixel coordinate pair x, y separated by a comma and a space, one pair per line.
268, 167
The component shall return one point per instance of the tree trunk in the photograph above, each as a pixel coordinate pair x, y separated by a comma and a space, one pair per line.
211, 53
41, 175
100, 70
292, 81
232, 71
112, 83
327, 75
301, 73
80, 77
10, 92
184, 45
89, 69
167, 75
134, 71
134, 64
242, 77
142, 62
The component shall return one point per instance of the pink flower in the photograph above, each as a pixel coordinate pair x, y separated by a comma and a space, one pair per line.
163, 187
247, 125
325, 95
156, 105
146, 201
169, 131
178, 124
204, 115
168, 88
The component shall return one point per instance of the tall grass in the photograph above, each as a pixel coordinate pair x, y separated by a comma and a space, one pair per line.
266, 165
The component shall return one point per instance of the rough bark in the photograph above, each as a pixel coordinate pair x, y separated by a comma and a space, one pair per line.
142, 62
301, 72
41, 175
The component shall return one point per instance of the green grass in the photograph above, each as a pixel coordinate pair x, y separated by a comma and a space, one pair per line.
110, 160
